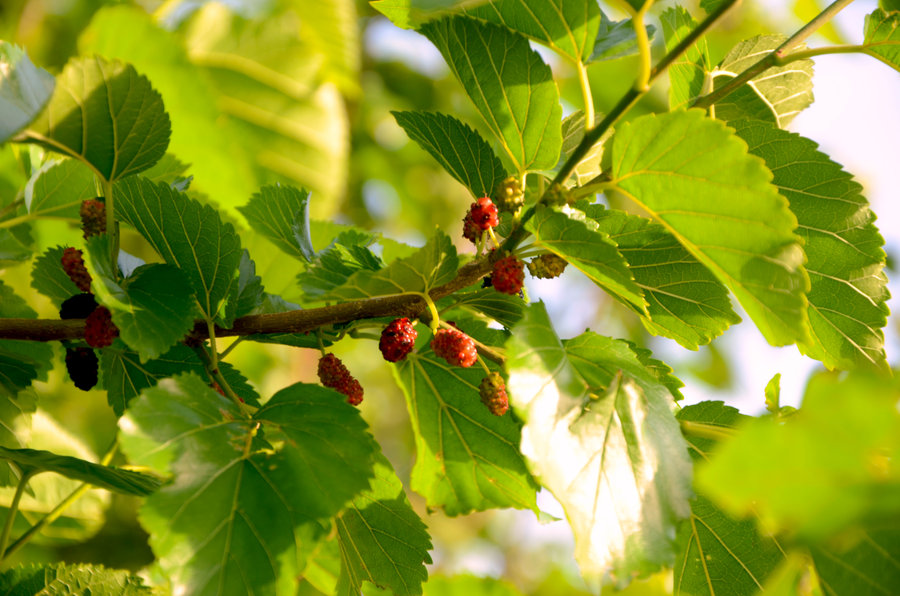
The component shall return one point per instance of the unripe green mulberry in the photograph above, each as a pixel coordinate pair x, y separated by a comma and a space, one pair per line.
547, 266
509, 195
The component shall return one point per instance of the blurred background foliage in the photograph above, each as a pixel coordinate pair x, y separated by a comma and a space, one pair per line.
300, 92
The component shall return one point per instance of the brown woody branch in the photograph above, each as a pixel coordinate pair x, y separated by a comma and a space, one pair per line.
295, 321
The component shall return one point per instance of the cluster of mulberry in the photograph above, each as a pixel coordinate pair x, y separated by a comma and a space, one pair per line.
333, 374
397, 340
455, 347
493, 394
93, 217
547, 266
482, 215
508, 275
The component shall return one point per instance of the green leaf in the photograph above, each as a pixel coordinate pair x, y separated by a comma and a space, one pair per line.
347, 254
430, 266
688, 72
61, 579
125, 376
467, 459
24, 90
867, 566
573, 132
153, 308
685, 301
49, 278
58, 189
190, 236
845, 260
503, 308
281, 213
459, 149
578, 240
616, 39
251, 294
600, 450
788, 472
883, 27
240, 514
105, 114
382, 539
775, 95
412, 14
693, 176
110, 478
509, 84
21, 362
567, 27
712, 545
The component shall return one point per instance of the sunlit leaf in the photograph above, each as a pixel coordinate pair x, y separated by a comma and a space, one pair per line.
718, 555
105, 114
190, 236
24, 90
382, 539
412, 14
775, 95
866, 562
613, 456
510, 85
110, 478
695, 177
789, 472
238, 514
281, 213
616, 39
466, 458
503, 308
588, 167
688, 72
845, 260
334, 265
883, 32
685, 301
432, 265
459, 149
567, 27
59, 579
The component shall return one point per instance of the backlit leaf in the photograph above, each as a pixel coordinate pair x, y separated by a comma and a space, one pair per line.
60, 579
24, 90
883, 31
509, 84
613, 456
578, 240
789, 473
845, 260
693, 176
190, 236
382, 539
105, 114
459, 149
573, 132
685, 301
775, 95
616, 39
867, 563
58, 189
718, 555
467, 459
567, 27
688, 72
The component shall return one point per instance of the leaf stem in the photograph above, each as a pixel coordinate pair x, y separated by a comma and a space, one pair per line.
588, 99
111, 229
642, 84
13, 510
772, 57
844, 49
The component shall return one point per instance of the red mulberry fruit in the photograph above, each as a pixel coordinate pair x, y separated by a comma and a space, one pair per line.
455, 347
73, 264
333, 374
78, 306
82, 365
493, 394
93, 217
508, 275
484, 213
397, 340
99, 330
